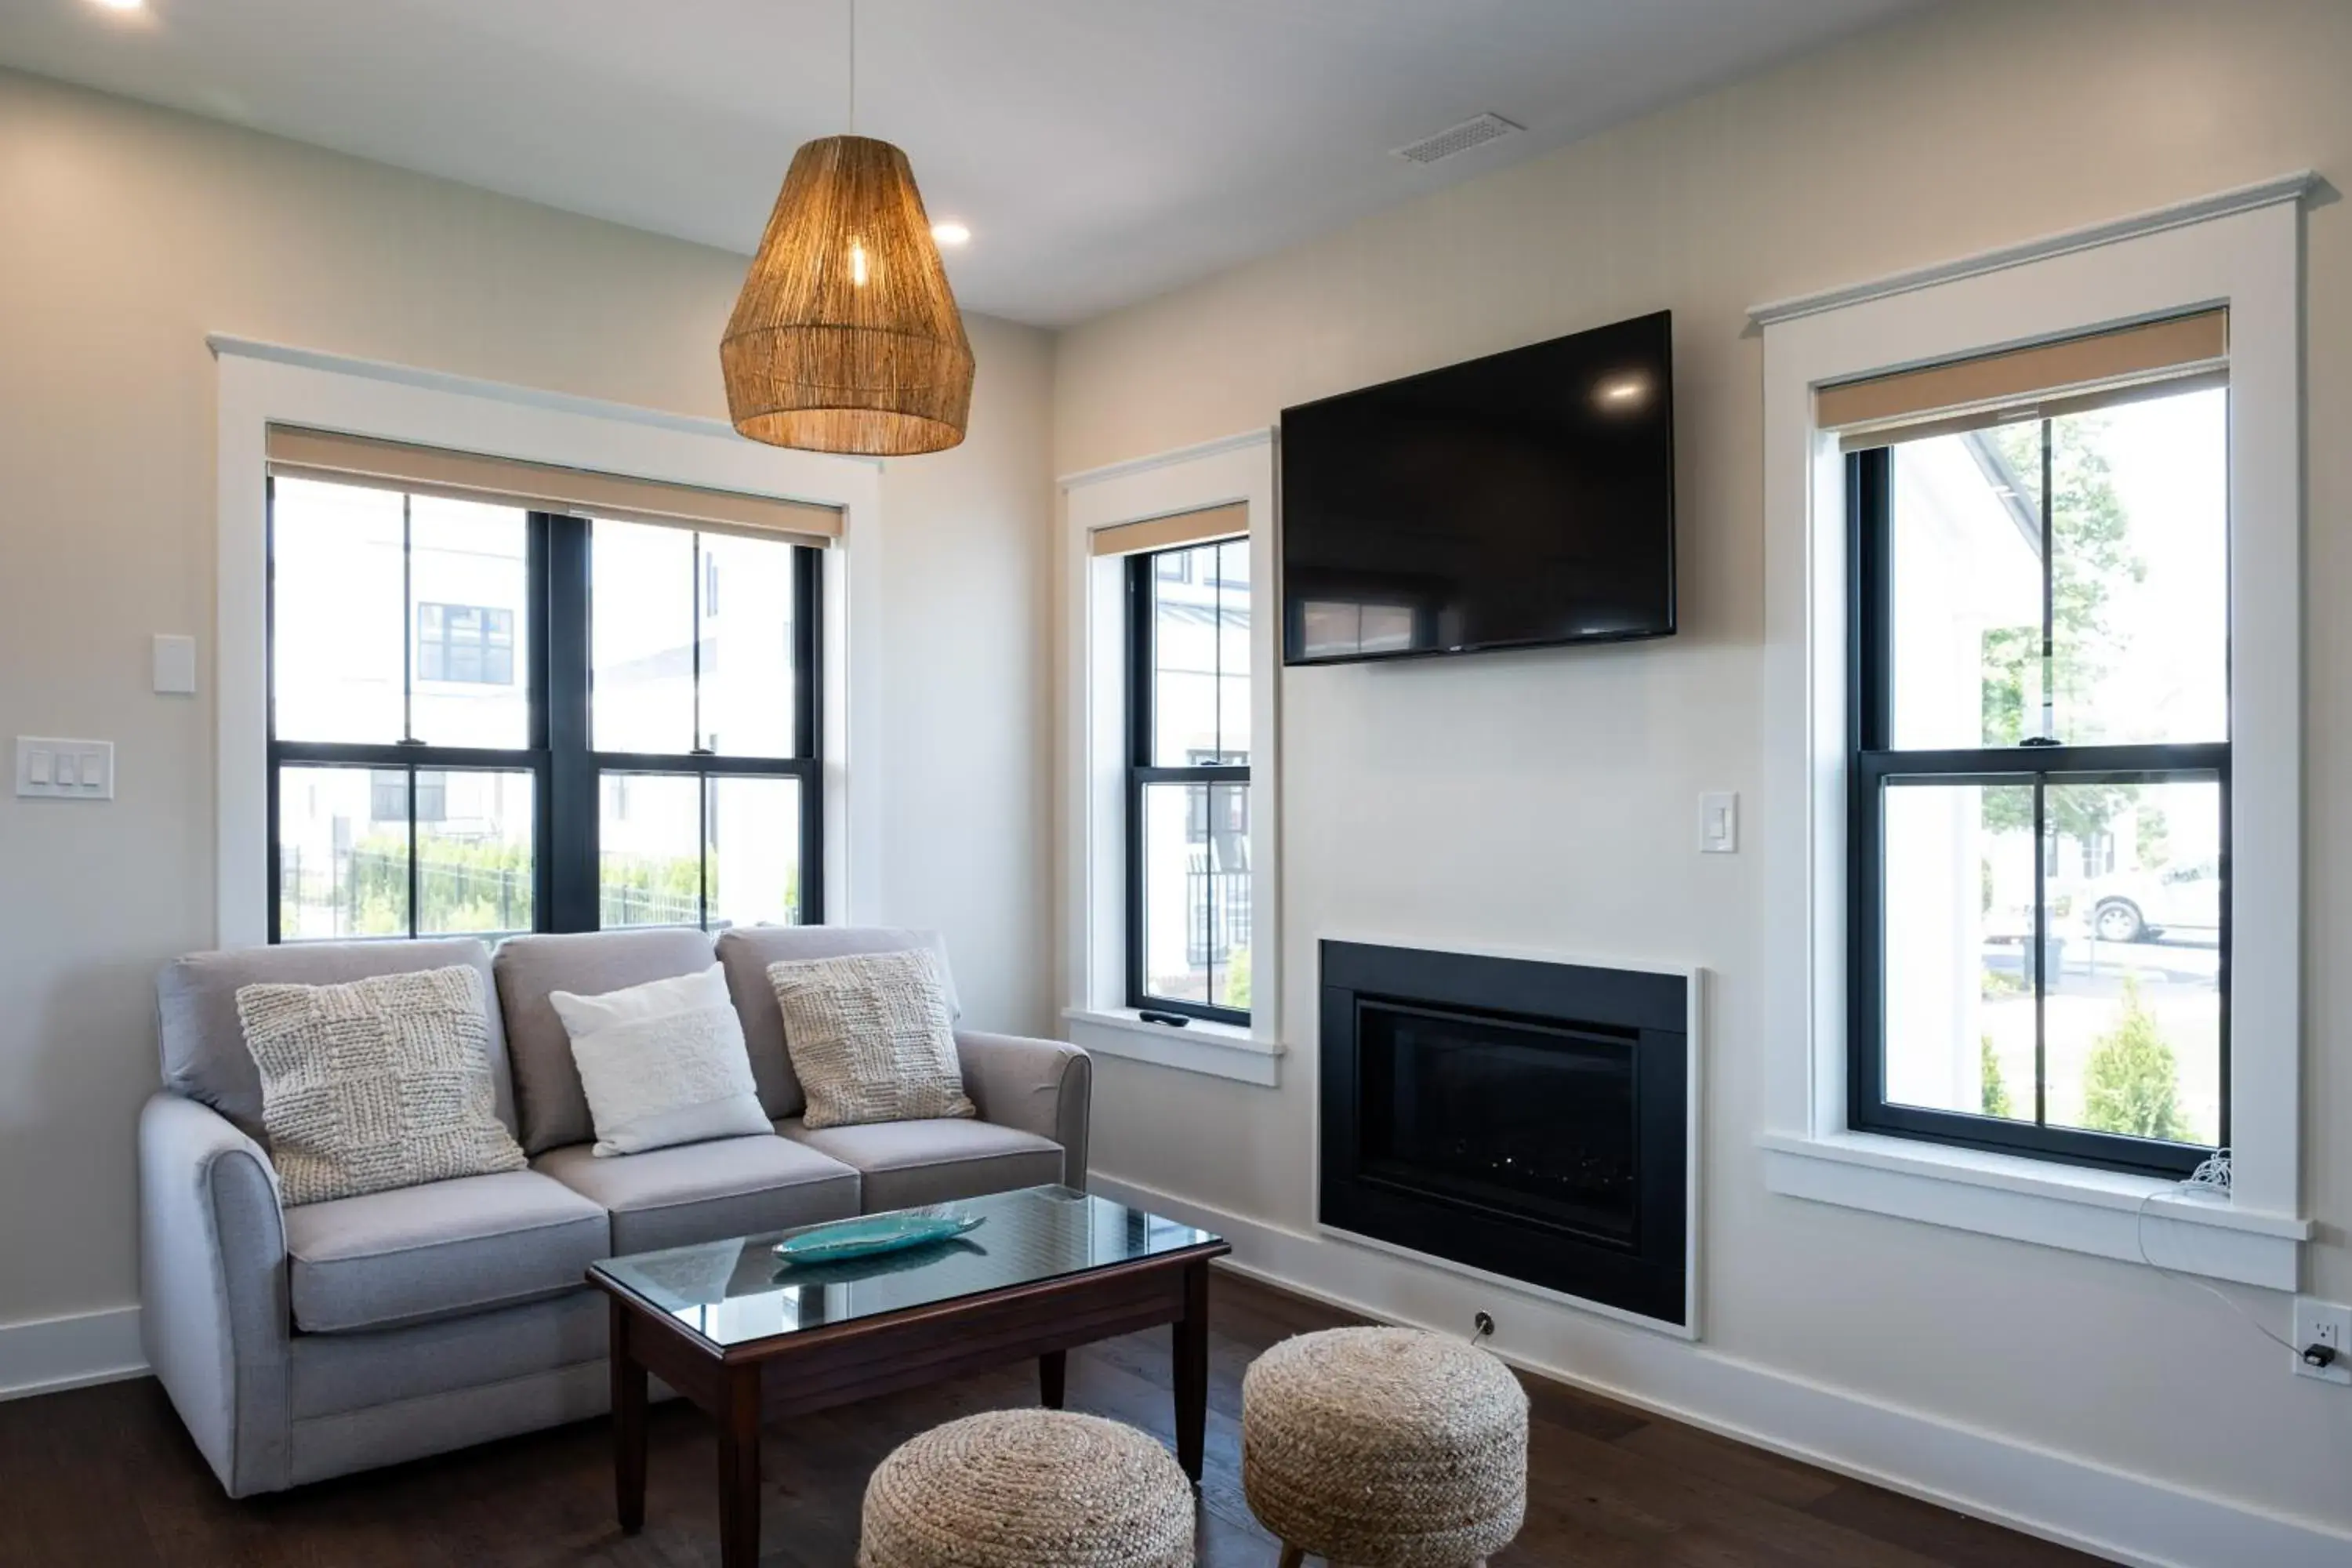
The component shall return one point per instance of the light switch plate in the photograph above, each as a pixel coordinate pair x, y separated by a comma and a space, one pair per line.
175, 664
49, 768
1718, 822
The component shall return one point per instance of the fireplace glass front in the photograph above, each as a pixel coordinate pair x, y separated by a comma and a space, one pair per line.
1527, 1118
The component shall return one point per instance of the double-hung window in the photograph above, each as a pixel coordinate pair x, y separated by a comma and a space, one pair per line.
492, 718
1188, 929
2040, 751
704, 727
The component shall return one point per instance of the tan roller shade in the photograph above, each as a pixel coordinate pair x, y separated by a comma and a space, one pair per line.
2042, 382
467, 475
1168, 533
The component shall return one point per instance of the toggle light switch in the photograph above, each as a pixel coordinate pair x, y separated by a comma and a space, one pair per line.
1718, 822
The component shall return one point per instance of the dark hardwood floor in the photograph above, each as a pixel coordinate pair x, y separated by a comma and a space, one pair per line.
105, 1475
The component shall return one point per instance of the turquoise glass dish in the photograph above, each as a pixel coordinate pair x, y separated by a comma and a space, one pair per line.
870, 1235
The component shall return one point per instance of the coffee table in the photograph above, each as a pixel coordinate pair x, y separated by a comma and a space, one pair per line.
744, 1335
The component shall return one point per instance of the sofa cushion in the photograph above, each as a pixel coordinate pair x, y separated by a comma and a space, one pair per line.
747, 951
376, 1083
706, 1192
662, 1063
906, 1164
416, 1253
871, 1037
549, 1104
332, 1373
203, 1043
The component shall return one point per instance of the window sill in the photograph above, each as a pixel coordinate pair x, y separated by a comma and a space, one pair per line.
1218, 1050
2078, 1209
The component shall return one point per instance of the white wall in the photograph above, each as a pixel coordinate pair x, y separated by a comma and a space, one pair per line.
1548, 800
968, 696
129, 234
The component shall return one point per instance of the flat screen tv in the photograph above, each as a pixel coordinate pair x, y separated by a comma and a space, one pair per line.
1519, 500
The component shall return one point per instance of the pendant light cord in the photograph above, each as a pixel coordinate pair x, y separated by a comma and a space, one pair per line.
853, 67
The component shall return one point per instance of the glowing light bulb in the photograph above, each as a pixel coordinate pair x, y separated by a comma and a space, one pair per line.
857, 263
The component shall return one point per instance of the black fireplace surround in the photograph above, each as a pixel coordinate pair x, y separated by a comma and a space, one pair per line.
1528, 1119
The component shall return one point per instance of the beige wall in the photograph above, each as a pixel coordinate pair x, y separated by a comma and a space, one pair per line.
1548, 800
128, 233
967, 687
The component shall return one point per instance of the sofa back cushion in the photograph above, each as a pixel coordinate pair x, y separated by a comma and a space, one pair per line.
377, 1083
202, 1042
549, 1104
747, 951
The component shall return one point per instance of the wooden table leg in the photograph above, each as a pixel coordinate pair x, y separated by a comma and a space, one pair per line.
738, 1470
1052, 1376
1191, 1370
628, 1424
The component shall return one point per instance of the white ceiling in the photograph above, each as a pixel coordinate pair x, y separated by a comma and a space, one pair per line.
1101, 151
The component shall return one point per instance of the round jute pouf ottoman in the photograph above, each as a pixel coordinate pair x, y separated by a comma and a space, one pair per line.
1028, 1489
1384, 1449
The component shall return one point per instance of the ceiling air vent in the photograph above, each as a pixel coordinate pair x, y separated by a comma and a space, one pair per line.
1458, 139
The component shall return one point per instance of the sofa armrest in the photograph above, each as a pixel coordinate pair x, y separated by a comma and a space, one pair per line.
213, 1289
1045, 1087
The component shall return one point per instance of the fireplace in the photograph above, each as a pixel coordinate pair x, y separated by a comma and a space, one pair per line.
1528, 1119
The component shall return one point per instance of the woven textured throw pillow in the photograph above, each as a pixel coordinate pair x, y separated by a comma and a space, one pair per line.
870, 1037
376, 1083
662, 1063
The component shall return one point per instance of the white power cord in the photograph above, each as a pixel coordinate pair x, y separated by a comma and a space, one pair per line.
2211, 1176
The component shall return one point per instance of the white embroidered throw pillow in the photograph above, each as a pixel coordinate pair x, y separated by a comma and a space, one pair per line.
376, 1083
662, 1063
871, 1037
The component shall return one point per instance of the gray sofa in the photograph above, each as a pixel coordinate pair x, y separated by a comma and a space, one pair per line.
299, 1344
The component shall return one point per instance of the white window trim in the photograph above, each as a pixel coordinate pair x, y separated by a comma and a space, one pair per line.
2241, 248
265, 383
1239, 468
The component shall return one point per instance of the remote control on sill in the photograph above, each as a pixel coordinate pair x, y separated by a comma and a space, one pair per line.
1174, 1020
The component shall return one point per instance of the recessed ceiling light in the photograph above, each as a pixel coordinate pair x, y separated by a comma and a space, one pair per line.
120, 5
951, 234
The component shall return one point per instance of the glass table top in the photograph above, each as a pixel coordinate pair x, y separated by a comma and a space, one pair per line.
732, 1292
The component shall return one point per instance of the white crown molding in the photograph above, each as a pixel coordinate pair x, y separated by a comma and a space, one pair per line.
226, 345
2292, 188
1133, 466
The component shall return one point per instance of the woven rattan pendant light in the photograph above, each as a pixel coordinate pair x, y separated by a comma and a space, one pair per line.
846, 337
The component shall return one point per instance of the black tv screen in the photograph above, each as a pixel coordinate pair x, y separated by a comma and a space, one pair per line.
1517, 501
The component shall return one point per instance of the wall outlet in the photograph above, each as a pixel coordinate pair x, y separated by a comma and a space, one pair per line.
2325, 1324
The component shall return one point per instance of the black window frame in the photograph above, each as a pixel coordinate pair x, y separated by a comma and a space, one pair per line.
564, 768
1142, 772
577, 784
1874, 765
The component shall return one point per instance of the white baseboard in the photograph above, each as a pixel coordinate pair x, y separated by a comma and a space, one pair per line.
2058, 1497
49, 1355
